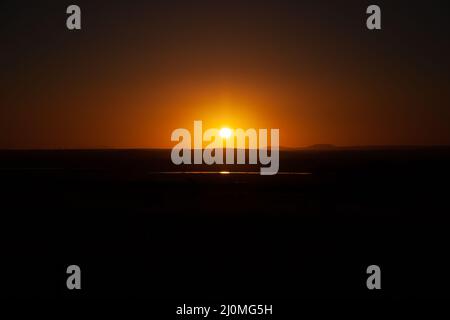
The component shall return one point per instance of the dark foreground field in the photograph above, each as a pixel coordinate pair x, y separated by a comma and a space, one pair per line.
212, 237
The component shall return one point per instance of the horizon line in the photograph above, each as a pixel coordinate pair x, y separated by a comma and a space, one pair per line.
324, 147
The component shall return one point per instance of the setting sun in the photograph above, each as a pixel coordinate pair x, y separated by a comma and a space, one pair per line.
225, 133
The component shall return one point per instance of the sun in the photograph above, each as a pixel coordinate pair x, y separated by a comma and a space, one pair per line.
225, 133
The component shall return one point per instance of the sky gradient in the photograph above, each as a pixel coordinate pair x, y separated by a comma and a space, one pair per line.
139, 69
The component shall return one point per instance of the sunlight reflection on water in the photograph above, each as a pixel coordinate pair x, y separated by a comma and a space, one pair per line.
226, 172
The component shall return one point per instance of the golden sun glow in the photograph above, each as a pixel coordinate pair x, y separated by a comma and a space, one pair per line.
225, 133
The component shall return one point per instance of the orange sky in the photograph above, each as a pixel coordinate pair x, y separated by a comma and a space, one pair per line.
135, 73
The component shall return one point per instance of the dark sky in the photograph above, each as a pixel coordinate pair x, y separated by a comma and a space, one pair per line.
139, 69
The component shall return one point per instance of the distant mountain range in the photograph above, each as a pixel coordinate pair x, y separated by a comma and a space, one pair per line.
373, 147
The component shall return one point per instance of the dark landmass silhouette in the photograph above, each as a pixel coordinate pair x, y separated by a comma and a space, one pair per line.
137, 232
